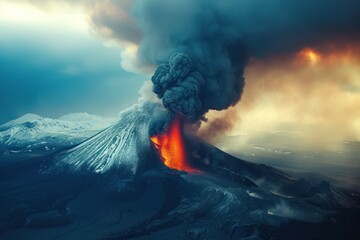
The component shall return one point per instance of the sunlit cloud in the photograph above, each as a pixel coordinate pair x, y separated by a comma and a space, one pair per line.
314, 91
59, 16
50, 49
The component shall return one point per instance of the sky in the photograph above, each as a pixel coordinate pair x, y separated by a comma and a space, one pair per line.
301, 61
51, 63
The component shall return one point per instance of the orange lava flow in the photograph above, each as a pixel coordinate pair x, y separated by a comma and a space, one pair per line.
170, 146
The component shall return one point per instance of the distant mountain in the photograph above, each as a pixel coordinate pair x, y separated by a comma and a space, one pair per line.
29, 117
31, 131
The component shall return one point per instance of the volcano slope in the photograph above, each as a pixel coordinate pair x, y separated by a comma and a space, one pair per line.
227, 198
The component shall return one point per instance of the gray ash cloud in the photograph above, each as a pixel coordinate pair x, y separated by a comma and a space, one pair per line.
180, 86
200, 47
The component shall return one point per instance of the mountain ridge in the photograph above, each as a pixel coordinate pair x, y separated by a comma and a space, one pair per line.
34, 131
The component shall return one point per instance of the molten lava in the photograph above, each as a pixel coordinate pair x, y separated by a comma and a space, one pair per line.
171, 148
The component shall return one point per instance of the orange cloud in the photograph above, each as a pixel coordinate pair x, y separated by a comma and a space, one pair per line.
316, 91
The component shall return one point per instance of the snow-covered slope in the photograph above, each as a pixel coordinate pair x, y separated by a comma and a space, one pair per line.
117, 147
32, 131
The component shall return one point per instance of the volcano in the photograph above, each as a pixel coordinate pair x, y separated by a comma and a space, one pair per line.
117, 185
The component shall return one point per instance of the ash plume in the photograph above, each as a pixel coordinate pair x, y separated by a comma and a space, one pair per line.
199, 48
179, 86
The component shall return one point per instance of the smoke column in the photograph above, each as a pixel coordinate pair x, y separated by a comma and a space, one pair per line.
201, 58
200, 47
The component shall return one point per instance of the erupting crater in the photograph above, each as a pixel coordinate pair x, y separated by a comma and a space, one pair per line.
171, 148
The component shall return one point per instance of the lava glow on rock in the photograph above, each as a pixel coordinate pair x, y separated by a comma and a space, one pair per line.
170, 146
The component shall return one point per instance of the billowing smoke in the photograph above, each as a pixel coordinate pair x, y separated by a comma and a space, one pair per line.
200, 58
185, 91
200, 47
210, 28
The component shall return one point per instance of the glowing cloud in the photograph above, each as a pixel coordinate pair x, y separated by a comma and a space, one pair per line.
316, 91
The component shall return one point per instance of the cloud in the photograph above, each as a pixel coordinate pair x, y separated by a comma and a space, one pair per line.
50, 66
291, 90
218, 37
263, 27
113, 19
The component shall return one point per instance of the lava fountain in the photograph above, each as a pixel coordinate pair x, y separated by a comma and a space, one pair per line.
171, 148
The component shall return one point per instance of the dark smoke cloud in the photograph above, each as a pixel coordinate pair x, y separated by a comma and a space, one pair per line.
201, 64
179, 86
263, 27
202, 46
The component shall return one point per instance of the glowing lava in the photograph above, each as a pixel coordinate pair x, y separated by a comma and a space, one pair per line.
170, 146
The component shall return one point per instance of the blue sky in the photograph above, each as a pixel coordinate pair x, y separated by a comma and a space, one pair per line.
50, 64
